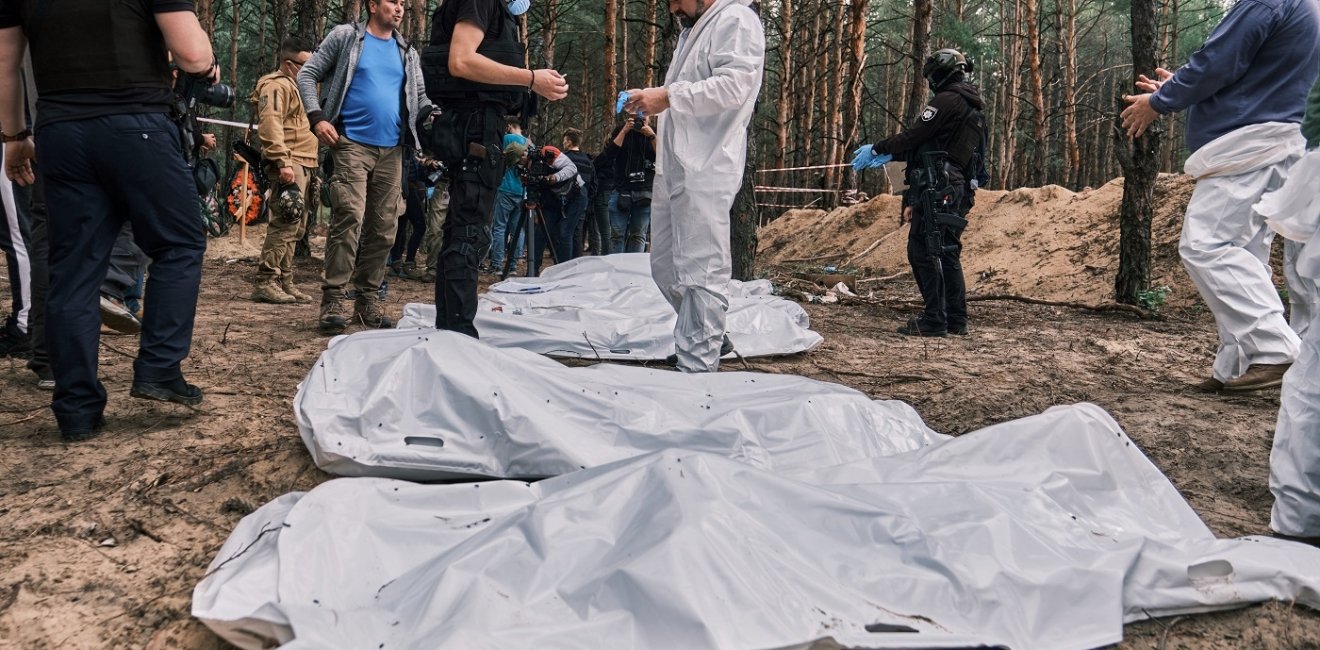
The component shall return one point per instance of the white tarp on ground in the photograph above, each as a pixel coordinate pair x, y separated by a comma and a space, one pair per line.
429, 405
1047, 532
609, 308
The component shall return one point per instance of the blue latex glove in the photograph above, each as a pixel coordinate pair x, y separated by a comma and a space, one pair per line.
623, 99
862, 157
880, 161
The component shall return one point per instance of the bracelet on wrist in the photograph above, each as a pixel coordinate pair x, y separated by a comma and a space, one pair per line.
533, 81
21, 135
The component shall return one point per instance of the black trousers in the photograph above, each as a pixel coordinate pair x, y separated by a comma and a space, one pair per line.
466, 234
97, 173
939, 276
408, 239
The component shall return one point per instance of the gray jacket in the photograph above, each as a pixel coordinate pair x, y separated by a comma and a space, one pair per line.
332, 66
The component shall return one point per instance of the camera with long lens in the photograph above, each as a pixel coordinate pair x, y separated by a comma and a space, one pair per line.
194, 91
537, 168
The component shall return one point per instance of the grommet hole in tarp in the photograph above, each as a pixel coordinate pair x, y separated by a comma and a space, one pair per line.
424, 441
881, 628
1214, 570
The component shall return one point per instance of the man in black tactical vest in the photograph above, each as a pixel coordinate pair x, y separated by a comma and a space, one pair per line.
944, 150
108, 151
473, 72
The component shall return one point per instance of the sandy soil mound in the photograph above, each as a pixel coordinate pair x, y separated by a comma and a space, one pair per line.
1044, 242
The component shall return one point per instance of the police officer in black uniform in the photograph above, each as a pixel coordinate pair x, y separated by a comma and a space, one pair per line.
108, 151
944, 150
473, 72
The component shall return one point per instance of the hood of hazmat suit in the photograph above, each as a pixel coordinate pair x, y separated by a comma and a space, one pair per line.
713, 81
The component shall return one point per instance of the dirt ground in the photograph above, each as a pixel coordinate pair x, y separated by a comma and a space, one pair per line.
103, 541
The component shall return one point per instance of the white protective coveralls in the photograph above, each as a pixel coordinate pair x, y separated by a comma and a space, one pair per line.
1294, 211
1225, 244
713, 81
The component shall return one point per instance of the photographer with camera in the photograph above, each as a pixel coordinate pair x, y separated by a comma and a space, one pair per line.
553, 179
288, 152
632, 151
108, 152
475, 73
368, 108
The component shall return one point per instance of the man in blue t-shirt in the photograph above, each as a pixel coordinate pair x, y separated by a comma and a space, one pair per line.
1244, 88
508, 202
371, 96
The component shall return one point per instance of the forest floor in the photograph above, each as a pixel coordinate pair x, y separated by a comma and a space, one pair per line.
103, 541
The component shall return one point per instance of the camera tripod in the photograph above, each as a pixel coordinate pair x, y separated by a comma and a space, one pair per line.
529, 218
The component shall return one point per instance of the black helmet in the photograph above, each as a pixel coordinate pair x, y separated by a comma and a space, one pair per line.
942, 65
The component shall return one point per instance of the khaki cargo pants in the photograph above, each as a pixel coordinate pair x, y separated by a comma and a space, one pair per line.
282, 235
366, 200
436, 210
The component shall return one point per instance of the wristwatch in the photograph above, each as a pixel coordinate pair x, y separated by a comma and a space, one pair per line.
21, 135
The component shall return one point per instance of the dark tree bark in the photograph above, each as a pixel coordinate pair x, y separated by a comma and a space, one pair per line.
1140, 160
921, 18
745, 218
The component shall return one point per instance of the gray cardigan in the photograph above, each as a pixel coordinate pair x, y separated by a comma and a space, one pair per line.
332, 66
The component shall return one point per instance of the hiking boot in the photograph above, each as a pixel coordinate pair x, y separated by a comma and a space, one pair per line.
410, 271
370, 313
429, 276
269, 292
395, 269
117, 317
287, 285
1210, 385
726, 348
960, 330
1258, 376
79, 434
15, 342
915, 327
176, 390
332, 316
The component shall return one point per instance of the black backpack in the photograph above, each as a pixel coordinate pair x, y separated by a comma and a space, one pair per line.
586, 169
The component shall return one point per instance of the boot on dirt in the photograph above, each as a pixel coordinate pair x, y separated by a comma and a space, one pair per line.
1258, 376
287, 285
15, 342
332, 320
368, 311
410, 271
917, 327
726, 347
268, 291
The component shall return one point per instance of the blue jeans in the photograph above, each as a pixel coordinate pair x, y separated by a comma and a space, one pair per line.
562, 216
508, 208
628, 230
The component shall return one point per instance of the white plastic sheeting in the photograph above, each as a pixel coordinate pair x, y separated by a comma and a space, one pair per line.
423, 404
608, 307
1047, 532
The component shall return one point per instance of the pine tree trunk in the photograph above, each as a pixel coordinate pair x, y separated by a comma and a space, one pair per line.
1009, 45
650, 37
206, 15
921, 18
786, 45
1040, 148
856, 70
745, 219
1140, 169
236, 28
611, 24
352, 11
1068, 52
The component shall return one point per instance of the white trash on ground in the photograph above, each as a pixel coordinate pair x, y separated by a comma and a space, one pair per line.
430, 405
608, 307
1045, 532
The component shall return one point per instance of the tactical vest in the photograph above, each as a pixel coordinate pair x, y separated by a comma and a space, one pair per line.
504, 46
118, 46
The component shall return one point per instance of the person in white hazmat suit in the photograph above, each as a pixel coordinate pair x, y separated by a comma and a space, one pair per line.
704, 109
1245, 94
1294, 212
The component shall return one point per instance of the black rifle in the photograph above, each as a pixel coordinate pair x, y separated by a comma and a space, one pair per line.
937, 201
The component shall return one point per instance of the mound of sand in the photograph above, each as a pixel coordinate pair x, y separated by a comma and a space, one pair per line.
1044, 242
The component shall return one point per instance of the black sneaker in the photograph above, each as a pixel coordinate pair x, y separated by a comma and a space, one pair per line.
78, 434
177, 391
15, 342
960, 330
725, 348
914, 327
